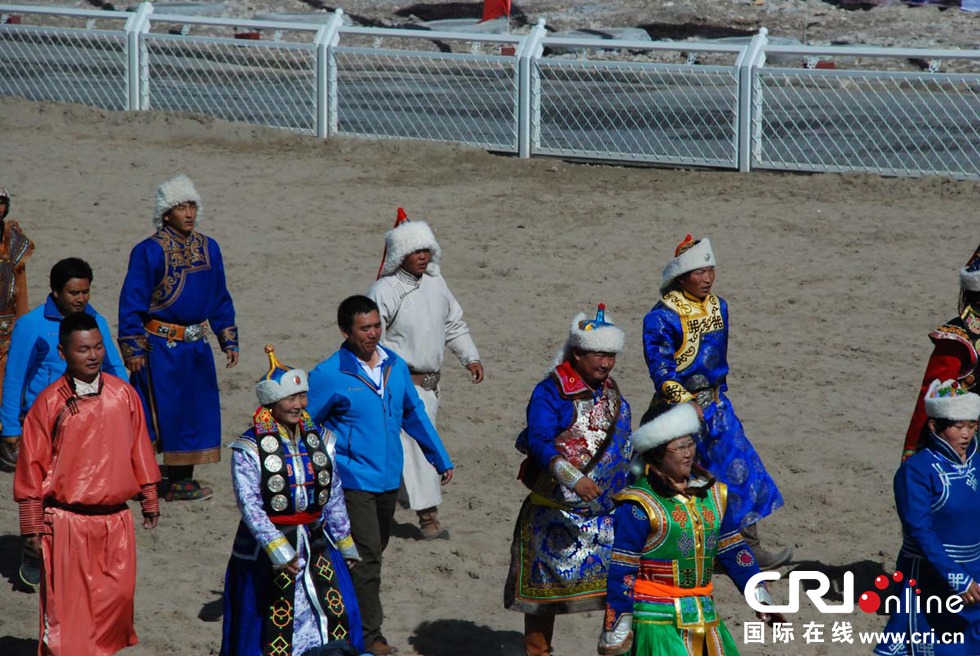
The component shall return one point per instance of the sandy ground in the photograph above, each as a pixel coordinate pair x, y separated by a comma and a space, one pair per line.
833, 282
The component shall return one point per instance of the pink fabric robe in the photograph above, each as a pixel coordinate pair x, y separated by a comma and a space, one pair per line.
82, 458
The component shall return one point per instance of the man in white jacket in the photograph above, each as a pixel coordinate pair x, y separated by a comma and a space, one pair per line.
420, 318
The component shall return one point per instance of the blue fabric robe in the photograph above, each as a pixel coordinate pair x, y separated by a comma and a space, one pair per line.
561, 544
685, 343
938, 503
180, 281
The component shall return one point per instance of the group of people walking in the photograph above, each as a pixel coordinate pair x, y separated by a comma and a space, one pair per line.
628, 522
936, 490
317, 476
631, 523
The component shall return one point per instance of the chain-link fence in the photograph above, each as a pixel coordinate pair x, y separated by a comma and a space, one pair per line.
619, 101
890, 123
64, 64
270, 83
677, 114
470, 99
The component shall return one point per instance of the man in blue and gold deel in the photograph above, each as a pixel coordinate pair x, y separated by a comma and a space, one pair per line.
174, 288
685, 343
578, 448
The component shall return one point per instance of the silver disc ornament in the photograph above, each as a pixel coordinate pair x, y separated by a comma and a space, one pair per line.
273, 464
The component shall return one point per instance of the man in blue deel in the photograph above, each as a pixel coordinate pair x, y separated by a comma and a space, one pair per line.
34, 361
175, 288
365, 395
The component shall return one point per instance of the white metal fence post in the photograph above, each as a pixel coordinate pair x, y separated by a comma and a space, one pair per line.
751, 58
135, 26
529, 50
326, 79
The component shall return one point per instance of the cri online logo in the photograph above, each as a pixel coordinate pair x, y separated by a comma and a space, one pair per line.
869, 601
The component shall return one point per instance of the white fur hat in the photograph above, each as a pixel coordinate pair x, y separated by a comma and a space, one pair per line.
677, 422
950, 400
178, 189
405, 239
970, 273
690, 255
599, 335
281, 381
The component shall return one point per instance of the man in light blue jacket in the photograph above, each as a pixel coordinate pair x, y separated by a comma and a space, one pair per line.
365, 395
34, 362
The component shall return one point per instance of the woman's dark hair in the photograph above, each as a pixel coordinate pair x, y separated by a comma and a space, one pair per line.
941, 425
353, 305
68, 268
659, 483
971, 298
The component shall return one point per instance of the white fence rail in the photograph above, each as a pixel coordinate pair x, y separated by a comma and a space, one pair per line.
746, 105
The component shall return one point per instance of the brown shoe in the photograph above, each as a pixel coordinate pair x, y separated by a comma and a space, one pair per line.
380, 647
429, 525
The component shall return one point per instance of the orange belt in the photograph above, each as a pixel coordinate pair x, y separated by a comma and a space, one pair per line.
654, 589
175, 332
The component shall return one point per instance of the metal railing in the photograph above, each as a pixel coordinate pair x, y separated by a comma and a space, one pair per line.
750, 105
637, 111
437, 96
270, 83
87, 65
890, 122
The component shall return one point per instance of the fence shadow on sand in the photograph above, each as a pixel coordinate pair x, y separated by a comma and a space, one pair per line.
11, 547
454, 637
11, 646
865, 572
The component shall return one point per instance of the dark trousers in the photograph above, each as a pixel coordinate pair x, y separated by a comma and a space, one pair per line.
538, 631
370, 515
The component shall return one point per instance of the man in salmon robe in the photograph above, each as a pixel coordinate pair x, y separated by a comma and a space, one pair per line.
85, 452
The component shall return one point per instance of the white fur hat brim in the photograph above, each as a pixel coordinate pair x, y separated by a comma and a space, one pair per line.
291, 382
178, 189
602, 339
962, 407
970, 280
698, 256
677, 422
404, 240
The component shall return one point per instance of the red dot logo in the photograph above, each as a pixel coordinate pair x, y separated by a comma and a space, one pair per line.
918, 591
897, 576
911, 583
881, 582
869, 602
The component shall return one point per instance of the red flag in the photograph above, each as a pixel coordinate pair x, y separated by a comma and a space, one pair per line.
495, 8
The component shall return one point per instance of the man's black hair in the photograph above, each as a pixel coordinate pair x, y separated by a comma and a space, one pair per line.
353, 305
68, 268
73, 323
